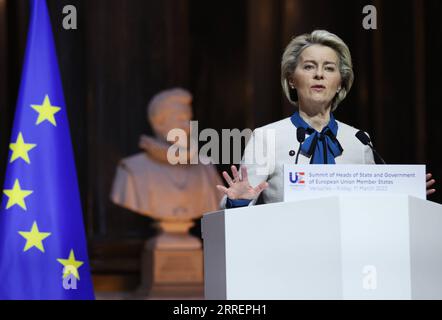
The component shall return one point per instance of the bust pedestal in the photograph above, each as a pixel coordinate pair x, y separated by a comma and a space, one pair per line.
172, 262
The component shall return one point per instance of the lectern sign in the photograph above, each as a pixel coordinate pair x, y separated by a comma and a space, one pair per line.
317, 180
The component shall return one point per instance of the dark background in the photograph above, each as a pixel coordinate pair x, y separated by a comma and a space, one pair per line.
227, 53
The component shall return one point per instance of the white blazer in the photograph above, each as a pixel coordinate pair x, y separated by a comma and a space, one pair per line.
264, 153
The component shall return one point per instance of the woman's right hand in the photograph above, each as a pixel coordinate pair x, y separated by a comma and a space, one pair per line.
240, 188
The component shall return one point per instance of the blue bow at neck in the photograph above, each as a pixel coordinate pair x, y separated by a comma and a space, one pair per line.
321, 147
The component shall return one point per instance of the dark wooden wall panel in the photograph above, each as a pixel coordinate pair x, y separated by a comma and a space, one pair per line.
127, 64
13, 20
5, 110
218, 63
263, 63
420, 108
228, 55
398, 94
433, 84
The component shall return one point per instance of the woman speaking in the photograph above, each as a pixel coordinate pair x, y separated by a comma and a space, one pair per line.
316, 75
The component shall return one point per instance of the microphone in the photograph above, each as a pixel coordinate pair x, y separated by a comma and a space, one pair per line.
300, 136
365, 139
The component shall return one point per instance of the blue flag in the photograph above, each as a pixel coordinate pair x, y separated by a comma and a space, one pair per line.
43, 252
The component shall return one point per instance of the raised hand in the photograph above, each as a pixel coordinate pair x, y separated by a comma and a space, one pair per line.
430, 183
240, 188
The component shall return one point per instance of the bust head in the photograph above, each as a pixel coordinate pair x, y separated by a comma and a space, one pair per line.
170, 109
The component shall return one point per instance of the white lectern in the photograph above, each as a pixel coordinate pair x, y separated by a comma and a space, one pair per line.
339, 247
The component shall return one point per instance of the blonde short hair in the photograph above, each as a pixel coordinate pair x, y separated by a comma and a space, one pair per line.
325, 38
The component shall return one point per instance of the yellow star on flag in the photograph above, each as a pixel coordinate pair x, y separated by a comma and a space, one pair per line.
20, 149
46, 111
17, 195
71, 265
34, 238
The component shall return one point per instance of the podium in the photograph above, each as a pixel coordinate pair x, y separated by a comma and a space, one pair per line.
337, 247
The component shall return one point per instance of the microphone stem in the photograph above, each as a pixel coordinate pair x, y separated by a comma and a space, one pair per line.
377, 154
297, 154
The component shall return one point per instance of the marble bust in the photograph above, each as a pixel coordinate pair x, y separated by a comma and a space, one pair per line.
148, 184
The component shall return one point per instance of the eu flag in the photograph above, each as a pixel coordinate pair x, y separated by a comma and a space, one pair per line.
43, 252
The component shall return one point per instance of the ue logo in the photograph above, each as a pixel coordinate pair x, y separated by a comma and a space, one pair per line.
299, 177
